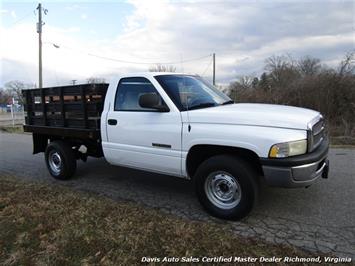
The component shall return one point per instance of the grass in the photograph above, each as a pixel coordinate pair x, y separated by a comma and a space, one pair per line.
342, 141
11, 129
46, 225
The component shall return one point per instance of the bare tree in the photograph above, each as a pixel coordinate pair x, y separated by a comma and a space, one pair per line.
4, 96
95, 80
14, 89
264, 82
309, 66
162, 68
281, 69
242, 87
306, 83
347, 65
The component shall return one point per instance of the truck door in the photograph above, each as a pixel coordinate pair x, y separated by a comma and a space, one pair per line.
140, 137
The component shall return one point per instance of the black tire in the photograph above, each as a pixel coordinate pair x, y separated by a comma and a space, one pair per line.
62, 155
227, 169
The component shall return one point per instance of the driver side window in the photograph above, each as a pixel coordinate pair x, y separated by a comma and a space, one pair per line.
128, 92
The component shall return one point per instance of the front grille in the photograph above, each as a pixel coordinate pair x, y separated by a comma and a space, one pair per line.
317, 134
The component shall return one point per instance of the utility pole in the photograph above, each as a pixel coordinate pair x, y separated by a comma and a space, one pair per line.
214, 69
39, 31
73, 81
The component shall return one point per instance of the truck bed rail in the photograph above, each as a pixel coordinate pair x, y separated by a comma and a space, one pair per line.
66, 111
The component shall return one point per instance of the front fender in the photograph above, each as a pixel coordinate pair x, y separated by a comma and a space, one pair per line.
258, 139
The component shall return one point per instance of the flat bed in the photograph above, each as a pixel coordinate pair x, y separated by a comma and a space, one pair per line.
66, 111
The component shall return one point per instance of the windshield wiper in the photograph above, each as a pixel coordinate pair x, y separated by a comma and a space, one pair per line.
202, 105
228, 102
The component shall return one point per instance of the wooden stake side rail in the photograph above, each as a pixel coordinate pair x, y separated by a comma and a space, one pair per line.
67, 110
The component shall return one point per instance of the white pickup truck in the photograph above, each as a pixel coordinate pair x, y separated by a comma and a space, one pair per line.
180, 125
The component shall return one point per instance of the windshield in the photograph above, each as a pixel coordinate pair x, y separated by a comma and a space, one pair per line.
191, 92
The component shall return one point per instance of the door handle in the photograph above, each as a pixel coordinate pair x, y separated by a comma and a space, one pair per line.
112, 122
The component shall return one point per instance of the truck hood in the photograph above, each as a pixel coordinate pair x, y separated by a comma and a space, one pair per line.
268, 115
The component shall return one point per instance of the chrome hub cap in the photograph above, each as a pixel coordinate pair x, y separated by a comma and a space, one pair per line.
55, 162
223, 190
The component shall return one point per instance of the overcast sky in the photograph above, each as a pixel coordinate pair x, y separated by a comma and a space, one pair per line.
136, 34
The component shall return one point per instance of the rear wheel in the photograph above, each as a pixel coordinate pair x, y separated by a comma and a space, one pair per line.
60, 160
226, 187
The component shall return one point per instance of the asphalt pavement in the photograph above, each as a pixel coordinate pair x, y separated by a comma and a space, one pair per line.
319, 218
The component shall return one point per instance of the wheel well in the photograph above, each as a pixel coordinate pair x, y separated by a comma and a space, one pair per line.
199, 153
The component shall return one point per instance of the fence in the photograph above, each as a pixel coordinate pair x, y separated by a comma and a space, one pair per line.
12, 115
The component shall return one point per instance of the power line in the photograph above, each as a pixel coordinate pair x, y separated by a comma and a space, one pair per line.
131, 62
20, 19
208, 66
214, 69
151, 63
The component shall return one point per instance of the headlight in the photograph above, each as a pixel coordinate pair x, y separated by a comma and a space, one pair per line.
287, 149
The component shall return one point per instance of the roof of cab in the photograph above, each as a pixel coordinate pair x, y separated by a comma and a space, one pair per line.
145, 74
152, 74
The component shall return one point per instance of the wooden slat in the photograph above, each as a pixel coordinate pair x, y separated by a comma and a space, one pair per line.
29, 107
83, 101
43, 102
61, 102
71, 107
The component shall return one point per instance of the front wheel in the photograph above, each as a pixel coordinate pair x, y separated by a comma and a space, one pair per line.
226, 187
60, 160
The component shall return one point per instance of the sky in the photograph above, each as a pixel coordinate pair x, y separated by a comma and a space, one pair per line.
83, 39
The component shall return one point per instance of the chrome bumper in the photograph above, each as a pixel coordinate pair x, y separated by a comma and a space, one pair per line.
296, 176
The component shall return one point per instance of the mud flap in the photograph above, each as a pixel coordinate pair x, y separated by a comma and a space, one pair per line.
326, 170
40, 143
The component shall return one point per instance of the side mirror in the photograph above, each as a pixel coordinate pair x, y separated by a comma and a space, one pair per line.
152, 101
